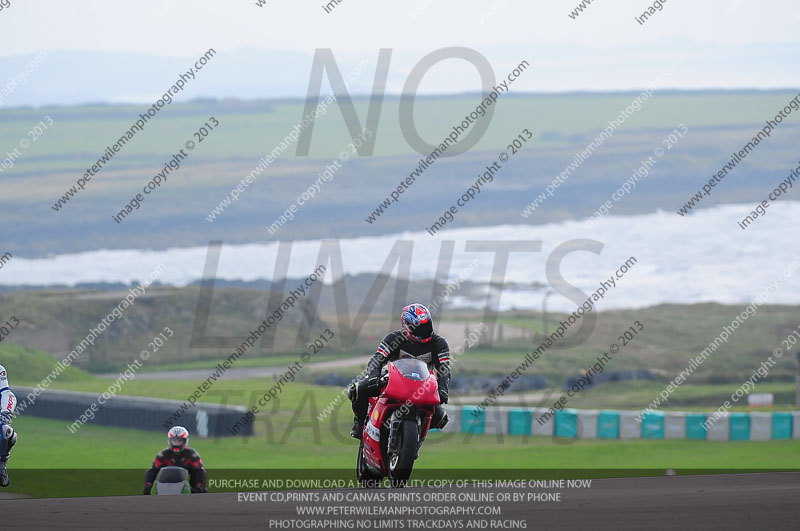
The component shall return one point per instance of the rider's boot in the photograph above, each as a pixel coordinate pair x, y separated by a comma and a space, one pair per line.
358, 428
7, 440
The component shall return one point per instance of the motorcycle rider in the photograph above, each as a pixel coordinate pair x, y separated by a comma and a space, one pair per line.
178, 453
8, 437
416, 339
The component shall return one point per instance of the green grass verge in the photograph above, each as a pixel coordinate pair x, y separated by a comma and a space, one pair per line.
48, 444
99, 447
28, 365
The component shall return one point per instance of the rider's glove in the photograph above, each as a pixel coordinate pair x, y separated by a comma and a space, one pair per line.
147, 488
442, 396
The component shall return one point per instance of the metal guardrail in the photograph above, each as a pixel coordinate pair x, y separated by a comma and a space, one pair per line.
203, 420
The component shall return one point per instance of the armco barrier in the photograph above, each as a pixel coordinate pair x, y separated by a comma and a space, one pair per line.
606, 424
204, 420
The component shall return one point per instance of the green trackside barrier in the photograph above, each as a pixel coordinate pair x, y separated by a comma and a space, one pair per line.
608, 425
739, 427
519, 422
566, 423
653, 425
781, 425
694, 426
473, 419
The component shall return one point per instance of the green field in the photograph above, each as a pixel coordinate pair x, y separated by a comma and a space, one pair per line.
175, 216
249, 130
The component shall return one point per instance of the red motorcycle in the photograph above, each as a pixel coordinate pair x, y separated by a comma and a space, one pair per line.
397, 422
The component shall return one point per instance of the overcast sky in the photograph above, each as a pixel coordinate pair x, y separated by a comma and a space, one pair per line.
728, 43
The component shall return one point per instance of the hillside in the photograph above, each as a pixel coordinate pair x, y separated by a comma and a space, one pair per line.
56, 321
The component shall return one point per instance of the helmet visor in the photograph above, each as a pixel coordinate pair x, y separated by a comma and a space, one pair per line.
177, 442
422, 331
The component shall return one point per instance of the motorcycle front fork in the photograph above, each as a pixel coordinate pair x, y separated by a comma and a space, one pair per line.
422, 440
394, 433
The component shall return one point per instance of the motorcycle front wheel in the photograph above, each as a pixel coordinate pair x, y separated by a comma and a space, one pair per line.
402, 461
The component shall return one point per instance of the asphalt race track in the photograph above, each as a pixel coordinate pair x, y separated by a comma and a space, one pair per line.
746, 501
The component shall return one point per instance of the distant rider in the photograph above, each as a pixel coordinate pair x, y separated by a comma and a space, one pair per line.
417, 339
178, 453
8, 437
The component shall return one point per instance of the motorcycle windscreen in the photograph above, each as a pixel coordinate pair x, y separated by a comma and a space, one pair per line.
413, 369
410, 380
171, 480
